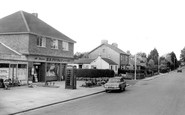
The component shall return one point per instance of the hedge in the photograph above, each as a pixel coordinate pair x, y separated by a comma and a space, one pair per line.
94, 73
124, 71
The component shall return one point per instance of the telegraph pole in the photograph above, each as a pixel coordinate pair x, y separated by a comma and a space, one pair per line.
135, 68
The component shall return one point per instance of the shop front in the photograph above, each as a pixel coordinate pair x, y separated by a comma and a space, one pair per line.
42, 69
15, 71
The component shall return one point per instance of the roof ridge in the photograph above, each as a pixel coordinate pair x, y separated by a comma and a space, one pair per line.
113, 47
24, 19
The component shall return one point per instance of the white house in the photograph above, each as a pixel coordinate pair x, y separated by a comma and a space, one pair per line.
104, 63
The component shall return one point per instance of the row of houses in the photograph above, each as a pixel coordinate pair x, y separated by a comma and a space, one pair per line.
30, 49
105, 56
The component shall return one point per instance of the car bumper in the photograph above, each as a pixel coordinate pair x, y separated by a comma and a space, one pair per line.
112, 88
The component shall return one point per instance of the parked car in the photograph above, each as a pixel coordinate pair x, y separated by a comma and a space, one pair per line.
115, 83
179, 70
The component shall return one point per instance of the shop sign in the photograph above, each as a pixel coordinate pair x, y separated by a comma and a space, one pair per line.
50, 59
4, 73
57, 60
40, 58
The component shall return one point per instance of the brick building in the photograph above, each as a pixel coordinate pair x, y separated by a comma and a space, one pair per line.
32, 49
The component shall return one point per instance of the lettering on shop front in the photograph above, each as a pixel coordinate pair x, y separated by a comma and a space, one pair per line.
57, 60
48, 59
40, 58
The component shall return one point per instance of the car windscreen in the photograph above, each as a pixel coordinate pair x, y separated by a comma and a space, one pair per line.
114, 80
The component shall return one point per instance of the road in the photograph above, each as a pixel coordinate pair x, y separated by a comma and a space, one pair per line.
164, 95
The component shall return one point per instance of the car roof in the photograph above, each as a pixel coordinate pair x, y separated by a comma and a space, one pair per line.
116, 77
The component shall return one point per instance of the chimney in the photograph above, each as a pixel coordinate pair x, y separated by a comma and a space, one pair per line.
104, 41
115, 44
35, 14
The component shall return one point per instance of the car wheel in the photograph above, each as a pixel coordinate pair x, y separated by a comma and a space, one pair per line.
124, 88
121, 89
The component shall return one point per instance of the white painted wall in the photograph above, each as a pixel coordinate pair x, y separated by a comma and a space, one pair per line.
100, 64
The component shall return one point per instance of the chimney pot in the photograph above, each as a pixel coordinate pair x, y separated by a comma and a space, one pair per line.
35, 14
104, 41
115, 44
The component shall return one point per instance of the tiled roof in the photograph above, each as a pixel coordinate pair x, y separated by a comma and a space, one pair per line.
112, 47
109, 61
83, 61
23, 22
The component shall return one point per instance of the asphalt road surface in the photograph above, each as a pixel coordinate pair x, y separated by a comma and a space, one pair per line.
164, 95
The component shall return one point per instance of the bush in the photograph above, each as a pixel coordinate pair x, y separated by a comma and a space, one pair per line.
129, 74
94, 73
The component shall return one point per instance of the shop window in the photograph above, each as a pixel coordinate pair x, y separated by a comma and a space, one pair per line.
22, 66
52, 71
54, 44
4, 71
65, 46
4, 65
22, 72
41, 41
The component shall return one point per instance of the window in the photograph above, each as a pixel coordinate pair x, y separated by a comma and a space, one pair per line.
41, 41
54, 44
65, 46
116, 68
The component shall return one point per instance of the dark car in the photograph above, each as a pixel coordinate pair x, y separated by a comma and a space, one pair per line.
179, 70
115, 83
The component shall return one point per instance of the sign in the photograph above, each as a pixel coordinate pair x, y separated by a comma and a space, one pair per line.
57, 60
4, 73
49, 59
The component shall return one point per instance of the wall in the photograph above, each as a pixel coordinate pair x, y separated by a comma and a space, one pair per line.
34, 49
16, 42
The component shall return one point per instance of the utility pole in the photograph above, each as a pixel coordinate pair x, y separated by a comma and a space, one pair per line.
158, 64
174, 63
135, 67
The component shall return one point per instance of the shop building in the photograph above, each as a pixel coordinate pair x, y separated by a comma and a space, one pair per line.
33, 49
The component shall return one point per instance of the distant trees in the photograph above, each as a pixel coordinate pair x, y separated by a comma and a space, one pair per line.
182, 55
78, 55
142, 57
154, 55
169, 61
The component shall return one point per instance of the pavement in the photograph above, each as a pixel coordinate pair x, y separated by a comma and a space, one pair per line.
21, 99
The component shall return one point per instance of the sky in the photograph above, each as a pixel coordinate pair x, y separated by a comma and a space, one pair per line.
135, 25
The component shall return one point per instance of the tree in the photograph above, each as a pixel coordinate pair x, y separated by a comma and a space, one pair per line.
142, 57
174, 61
78, 55
151, 63
182, 55
154, 56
